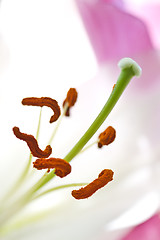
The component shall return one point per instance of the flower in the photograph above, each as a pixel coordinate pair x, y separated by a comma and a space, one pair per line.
62, 167
71, 217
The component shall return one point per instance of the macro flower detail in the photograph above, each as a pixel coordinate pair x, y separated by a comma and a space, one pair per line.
32, 144
62, 167
107, 137
70, 100
44, 101
77, 43
103, 178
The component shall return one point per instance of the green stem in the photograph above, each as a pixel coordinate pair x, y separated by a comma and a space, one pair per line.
58, 124
26, 170
35, 217
87, 147
59, 187
39, 124
121, 84
7, 229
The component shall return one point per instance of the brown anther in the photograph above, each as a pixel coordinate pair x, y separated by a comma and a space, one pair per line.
44, 101
32, 144
107, 137
104, 177
62, 167
70, 100
114, 86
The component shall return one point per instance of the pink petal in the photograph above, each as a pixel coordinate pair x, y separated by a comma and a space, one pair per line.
118, 3
113, 32
150, 14
150, 230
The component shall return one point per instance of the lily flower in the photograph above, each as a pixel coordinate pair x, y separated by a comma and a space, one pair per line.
11, 206
132, 156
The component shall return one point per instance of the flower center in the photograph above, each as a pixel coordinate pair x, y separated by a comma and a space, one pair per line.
61, 167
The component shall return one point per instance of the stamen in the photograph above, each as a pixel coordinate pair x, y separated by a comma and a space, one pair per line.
32, 144
58, 124
104, 177
44, 101
62, 167
107, 137
70, 100
87, 147
126, 74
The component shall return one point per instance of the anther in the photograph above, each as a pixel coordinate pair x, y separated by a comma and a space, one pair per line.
62, 167
70, 100
113, 86
32, 144
44, 101
107, 137
104, 177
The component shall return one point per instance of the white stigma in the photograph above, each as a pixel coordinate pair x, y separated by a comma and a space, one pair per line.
130, 63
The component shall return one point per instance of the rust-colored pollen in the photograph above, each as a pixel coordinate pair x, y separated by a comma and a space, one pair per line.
32, 144
44, 101
70, 100
62, 167
104, 177
107, 137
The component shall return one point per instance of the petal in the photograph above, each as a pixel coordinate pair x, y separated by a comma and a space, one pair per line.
149, 13
4, 55
87, 217
113, 32
118, 3
146, 231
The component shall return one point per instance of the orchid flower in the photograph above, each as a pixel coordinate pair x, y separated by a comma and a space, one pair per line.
131, 156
